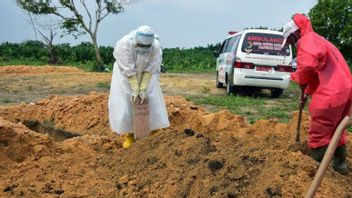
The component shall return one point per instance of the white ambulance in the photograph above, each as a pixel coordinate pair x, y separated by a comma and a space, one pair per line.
254, 59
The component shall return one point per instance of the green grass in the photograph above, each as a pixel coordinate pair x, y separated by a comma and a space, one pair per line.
189, 70
255, 107
31, 62
103, 85
88, 66
5, 100
349, 129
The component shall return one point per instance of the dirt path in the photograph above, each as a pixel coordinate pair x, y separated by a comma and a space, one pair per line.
28, 86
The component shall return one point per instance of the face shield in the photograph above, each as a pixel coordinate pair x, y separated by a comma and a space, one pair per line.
144, 39
142, 50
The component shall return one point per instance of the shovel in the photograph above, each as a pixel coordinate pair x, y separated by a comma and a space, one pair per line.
301, 106
328, 155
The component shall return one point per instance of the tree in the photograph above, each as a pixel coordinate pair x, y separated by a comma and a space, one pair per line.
47, 24
333, 20
78, 19
33, 24
50, 47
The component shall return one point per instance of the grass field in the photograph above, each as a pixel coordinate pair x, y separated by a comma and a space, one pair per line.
255, 106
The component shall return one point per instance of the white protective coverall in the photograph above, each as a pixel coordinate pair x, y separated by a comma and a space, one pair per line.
128, 63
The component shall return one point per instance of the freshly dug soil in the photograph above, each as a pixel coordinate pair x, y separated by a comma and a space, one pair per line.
201, 155
26, 70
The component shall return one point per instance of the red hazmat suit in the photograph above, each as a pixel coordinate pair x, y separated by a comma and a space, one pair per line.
322, 67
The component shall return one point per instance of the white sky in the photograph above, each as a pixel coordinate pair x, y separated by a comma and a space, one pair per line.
179, 23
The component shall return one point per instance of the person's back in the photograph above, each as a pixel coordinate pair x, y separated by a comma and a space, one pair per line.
321, 56
323, 73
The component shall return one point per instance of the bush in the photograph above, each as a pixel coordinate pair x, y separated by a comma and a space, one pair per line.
83, 56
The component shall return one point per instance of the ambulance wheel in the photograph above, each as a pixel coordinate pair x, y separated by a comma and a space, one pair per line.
218, 84
275, 93
229, 88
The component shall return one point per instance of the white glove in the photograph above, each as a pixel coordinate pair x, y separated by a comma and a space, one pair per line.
134, 86
143, 95
134, 95
144, 85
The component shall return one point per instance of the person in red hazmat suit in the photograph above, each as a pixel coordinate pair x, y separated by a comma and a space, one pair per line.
136, 74
323, 74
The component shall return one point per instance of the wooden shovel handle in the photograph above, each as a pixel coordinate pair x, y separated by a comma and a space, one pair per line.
328, 156
301, 106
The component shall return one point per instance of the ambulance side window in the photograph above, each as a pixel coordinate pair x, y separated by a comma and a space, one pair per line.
224, 46
230, 43
235, 43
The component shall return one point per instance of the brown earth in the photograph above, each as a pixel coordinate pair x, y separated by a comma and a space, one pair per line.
30, 84
201, 155
26, 70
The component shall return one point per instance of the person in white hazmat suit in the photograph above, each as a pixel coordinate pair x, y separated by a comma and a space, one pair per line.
135, 74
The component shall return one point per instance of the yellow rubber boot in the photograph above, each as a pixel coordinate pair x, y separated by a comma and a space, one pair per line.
128, 140
154, 132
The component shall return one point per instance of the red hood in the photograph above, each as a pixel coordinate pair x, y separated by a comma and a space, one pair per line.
303, 23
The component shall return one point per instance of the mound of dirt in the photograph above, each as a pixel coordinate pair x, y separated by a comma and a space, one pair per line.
28, 70
32, 165
193, 164
201, 155
19, 143
86, 114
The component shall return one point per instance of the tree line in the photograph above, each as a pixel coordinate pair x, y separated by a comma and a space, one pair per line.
331, 19
177, 59
74, 21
